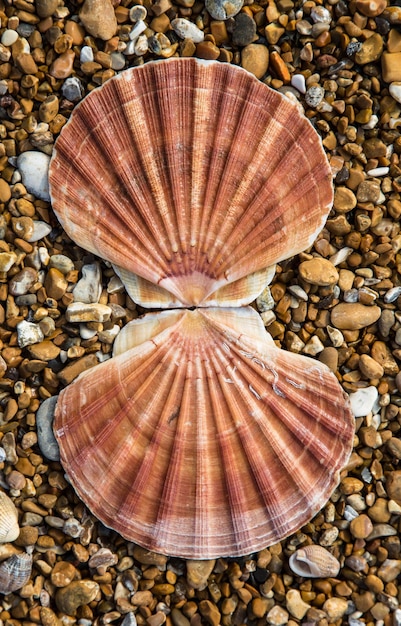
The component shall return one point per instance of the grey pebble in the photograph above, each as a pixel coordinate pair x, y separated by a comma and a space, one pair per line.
223, 9
72, 88
44, 424
244, 30
314, 96
386, 321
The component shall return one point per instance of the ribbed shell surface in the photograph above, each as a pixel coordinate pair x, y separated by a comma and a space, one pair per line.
192, 175
201, 438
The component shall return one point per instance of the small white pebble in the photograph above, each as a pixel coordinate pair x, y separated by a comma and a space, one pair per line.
137, 30
86, 55
372, 123
298, 81
117, 61
340, 256
395, 91
363, 401
33, 167
392, 294
9, 37
187, 30
141, 45
378, 171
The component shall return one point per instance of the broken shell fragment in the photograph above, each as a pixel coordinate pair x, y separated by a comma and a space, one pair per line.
219, 445
9, 529
15, 572
207, 177
314, 562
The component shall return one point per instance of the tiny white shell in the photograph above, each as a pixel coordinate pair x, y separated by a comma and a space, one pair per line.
314, 562
9, 529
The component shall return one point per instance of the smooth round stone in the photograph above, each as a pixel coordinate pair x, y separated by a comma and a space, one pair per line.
320, 15
363, 401
344, 200
395, 90
28, 334
5, 191
361, 527
9, 37
46, 8
369, 367
389, 570
335, 608
198, 573
298, 81
319, 271
244, 30
277, 616
86, 55
99, 18
314, 95
44, 424
117, 61
72, 89
34, 168
255, 59
393, 485
62, 263
371, 8
354, 316
187, 30
223, 9
62, 574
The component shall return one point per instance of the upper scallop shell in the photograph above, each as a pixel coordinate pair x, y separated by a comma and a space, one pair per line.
9, 529
194, 176
201, 440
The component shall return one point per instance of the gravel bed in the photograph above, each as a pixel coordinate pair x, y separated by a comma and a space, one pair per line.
340, 302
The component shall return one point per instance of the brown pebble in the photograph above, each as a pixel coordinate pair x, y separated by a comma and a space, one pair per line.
255, 59
76, 594
393, 485
98, 18
44, 351
70, 372
371, 8
198, 573
361, 527
210, 612
369, 367
344, 200
62, 574
318, 271
55, 284
354, 316
5, 191
371, 50
207, 50
62, 66
279, 67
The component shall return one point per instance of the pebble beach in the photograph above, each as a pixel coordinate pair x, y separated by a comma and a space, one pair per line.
339, 302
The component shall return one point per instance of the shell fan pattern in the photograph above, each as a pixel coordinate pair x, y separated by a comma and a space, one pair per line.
204, 439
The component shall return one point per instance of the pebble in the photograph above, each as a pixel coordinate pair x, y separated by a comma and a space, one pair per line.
22, 282
82, 312
371, 8
62, 574
9, 37
354, 316
295, 605
98, 18
7, 260
28, 333
318, 271
277, 616
361, 527
369, 367
255, 59
363, 401
298, 81
72, 88
34, 167
371, 50
187, 30
244, 30
223, 9
89, 288
40, 230
44, 424
77, 593
314, 96
335, 608
395, 90
393, 485
198, 573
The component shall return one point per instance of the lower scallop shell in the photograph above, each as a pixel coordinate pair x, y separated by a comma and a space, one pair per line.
15, 572
9, 529
201, 441
193, 175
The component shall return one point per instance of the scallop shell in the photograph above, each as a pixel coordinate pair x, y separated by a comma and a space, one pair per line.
314, 562
15, 572
220, 442
192, 175
9, 529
